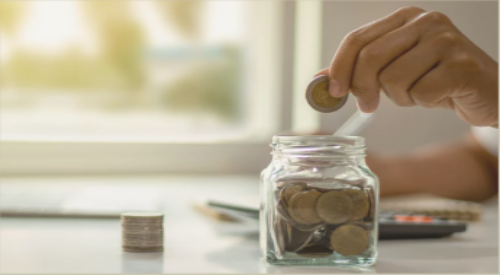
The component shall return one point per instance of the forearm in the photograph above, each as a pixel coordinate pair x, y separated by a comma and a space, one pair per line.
459, 170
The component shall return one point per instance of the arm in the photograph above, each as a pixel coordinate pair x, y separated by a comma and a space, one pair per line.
461, 170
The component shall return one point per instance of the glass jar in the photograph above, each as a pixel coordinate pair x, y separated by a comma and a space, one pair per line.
319, 202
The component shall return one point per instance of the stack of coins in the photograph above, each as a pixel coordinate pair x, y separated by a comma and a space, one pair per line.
142, 232
315, 221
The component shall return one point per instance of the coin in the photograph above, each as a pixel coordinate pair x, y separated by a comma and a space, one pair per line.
285, 214
360, 204
142, 249
315, 251
142, 232
334, 207
319, 98
291, 189
349, 240
302, 207
142, 215
142, 244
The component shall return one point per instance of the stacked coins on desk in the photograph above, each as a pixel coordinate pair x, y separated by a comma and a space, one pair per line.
142, 232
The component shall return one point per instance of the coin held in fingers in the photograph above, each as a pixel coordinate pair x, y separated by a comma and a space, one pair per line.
319, 98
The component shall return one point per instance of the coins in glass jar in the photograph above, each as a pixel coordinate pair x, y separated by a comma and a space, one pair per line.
142, 232
302, 207
360, 204
316, 220
349, 239
334, 207
319, 98
290, 190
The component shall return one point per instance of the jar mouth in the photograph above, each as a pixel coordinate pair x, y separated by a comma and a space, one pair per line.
319, 140
325, 145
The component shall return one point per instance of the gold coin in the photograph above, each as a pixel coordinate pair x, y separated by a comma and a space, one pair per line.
349, 240
334, 207
360, 204
284, 213
315, 251
302, 207
291, 189
319, 98
322, 97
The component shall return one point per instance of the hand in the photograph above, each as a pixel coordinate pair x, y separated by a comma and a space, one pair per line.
417, 58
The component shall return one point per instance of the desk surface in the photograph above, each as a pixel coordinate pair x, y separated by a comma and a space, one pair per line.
196, 244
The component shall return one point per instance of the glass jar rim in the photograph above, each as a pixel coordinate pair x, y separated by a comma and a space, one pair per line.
354, 141
327, 146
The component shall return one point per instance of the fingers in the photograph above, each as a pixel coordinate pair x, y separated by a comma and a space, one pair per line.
375, 57
432, 90
399, 76
323, 72
342, 66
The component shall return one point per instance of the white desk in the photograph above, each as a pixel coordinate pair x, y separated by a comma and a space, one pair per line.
196, 244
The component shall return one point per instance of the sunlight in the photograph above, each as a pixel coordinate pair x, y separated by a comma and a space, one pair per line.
67, 27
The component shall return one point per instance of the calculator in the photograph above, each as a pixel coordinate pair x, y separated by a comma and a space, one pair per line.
391, 224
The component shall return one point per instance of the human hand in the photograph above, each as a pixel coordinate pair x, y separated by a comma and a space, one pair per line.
416, 58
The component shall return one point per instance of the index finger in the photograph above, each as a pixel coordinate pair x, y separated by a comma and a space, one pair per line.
342, 65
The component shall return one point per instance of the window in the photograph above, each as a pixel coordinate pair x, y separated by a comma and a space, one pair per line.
130, 70
143, 86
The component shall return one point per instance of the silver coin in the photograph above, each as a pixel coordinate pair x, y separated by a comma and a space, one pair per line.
129, 244
142, 249
142, 230
132, 236
142, 214
142, 222
142, 226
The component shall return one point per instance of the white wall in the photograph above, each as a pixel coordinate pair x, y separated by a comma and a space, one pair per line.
397, 129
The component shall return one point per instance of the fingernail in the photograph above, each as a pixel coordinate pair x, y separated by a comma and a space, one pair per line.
334, 88
363, 107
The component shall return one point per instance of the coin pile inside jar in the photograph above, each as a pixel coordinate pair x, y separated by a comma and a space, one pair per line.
142, 232
315, 220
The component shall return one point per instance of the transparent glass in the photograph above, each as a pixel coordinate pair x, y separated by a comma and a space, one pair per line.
319, 202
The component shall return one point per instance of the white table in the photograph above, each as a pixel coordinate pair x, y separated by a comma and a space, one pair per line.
197, 244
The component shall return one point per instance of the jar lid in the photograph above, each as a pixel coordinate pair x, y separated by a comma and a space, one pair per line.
319, 98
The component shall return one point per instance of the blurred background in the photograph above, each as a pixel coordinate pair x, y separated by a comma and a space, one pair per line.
96, 87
